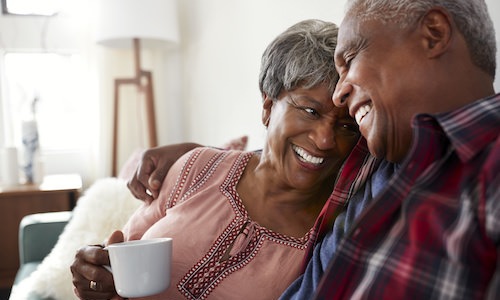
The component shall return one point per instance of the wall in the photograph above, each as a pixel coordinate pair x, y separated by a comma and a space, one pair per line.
206, 88
494, 9
222, 44
223, 41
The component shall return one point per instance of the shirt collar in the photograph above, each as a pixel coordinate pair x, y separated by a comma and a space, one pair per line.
469, 128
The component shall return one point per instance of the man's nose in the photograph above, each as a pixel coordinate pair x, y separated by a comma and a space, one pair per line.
341, 94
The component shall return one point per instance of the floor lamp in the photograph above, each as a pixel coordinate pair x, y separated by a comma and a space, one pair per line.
136, 24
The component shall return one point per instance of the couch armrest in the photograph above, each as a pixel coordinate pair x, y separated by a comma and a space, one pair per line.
38, 233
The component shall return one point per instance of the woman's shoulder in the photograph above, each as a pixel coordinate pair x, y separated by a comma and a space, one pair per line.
202, 165
208, 161
209, 156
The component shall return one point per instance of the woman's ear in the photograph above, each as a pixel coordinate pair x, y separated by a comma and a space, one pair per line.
266, 109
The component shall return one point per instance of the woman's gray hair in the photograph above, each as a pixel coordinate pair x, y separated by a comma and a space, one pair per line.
302, 56
470, 16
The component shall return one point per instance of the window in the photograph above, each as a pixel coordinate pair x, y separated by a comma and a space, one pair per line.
49, 58
62, 108
31, 7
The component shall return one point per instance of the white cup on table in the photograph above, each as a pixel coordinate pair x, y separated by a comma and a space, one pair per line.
141, 268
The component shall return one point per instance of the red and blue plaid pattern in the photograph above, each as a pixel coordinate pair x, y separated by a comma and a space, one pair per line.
434, 231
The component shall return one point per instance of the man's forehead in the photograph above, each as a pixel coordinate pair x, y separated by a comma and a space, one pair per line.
347, 36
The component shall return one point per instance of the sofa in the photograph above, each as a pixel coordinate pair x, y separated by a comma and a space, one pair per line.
48, 241
38, 234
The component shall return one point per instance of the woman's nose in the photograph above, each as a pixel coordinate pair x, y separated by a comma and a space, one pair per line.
324, 136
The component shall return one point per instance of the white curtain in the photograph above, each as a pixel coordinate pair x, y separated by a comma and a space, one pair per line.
69, 34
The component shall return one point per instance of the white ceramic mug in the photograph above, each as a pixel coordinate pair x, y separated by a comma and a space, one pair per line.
141, 268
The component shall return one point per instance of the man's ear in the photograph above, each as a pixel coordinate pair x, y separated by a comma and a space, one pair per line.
266, 109
437, 29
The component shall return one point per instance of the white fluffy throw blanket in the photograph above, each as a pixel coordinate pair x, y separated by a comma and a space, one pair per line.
103, 208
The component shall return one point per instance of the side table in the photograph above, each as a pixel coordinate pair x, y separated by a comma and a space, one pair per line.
55, 193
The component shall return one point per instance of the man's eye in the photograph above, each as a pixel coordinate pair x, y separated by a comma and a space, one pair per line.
348, 60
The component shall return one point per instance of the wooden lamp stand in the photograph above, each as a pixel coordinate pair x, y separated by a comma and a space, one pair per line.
144, 82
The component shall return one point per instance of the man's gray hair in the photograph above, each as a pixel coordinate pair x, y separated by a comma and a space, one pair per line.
302, 56
470, 16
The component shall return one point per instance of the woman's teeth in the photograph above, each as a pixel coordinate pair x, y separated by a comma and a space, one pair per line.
306, 157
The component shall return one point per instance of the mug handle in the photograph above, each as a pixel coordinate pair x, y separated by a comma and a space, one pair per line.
108, 268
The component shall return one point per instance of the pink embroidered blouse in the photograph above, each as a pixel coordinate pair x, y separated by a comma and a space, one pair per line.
219, 252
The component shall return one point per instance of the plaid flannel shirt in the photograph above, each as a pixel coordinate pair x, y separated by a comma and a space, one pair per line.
433, 232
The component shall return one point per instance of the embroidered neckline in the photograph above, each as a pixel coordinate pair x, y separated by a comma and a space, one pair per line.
221, 259
228, 188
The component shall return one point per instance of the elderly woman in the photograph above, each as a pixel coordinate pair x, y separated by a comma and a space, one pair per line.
245, 218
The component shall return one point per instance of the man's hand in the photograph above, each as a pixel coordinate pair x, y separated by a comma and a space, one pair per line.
153, 167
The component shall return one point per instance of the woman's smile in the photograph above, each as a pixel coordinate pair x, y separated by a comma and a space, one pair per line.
304, 156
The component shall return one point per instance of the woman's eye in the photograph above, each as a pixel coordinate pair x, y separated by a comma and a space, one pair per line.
349, 129
311, 111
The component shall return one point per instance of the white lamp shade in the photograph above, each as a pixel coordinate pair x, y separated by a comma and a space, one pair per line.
154, 22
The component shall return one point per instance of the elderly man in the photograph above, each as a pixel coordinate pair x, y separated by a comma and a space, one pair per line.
418, 78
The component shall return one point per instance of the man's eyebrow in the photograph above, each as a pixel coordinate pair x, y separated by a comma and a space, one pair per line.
343, 48
354, 45
339, 52
338, 58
